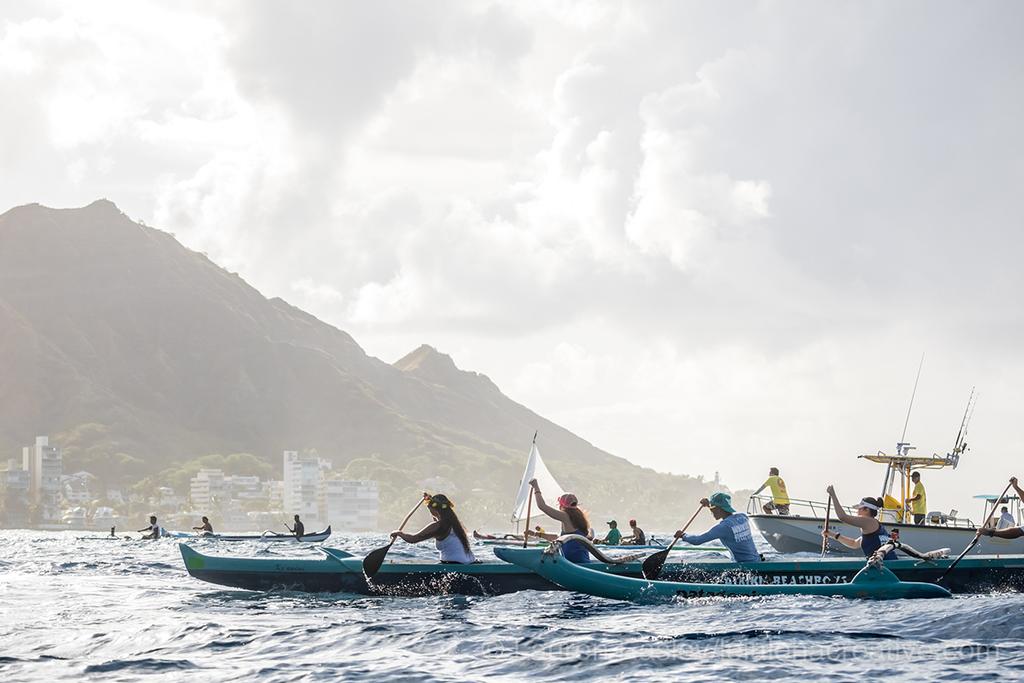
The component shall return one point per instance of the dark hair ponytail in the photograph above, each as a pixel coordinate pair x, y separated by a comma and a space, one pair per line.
579, 519
449, 521
877, 502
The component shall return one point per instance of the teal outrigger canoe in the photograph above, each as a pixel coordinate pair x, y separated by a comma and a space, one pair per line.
338, 572
872, 582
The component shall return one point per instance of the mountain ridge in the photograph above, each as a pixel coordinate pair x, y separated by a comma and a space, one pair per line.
137, 354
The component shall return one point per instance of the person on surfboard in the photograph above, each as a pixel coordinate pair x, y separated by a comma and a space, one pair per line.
152, 531
447, 531
299, 530
872, 533
1011, 531
733, 529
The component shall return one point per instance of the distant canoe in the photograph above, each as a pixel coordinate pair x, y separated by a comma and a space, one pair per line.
269, 536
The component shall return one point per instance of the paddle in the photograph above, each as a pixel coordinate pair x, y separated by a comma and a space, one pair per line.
653, 564
824, 537
375, 558
526, 530
977, 536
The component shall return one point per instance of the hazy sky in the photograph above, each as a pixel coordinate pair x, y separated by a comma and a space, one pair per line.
704, 236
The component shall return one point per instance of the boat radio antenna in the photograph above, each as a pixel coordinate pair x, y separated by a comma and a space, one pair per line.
903, 439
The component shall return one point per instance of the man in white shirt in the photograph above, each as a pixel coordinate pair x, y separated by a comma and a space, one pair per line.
152, 531
1006, 520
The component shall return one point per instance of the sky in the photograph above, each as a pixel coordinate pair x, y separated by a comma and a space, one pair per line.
707, 237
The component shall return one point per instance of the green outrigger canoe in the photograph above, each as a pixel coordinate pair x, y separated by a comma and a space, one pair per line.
873, 581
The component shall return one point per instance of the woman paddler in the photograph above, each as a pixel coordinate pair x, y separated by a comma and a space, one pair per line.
872, 533
573, 519
447, 531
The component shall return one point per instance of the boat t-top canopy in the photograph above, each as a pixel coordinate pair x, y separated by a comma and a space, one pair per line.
913, 462
992, 496
904, 464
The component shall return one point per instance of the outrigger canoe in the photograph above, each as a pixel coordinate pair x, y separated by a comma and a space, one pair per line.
873, 581
340, 572
318, 537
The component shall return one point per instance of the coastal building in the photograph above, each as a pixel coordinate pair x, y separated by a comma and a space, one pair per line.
273, 490
206, 490
44, 465
14, 497
350, 505
302, 474
76, 489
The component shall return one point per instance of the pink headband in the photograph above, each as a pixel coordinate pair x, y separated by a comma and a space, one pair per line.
567, 500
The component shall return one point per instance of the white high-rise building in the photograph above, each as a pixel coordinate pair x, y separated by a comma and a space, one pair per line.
206, 490
351, 505
44, 465
301, 486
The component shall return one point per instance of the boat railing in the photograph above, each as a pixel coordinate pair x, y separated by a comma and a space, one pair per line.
798, 507
816, 510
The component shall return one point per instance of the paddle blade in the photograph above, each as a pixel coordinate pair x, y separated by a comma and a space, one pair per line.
653, 564
374, 559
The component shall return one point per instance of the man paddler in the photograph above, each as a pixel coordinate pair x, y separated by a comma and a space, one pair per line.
152, 532
299, 530
733, 529
204, 529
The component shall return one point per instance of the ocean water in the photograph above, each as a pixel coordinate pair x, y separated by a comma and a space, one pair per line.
125, 611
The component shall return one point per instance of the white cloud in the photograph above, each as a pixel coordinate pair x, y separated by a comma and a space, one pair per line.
703, 237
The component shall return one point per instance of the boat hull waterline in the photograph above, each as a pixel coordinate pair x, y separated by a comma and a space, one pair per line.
871, 582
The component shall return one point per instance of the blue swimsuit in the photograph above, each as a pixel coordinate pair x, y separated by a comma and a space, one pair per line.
869, 543
576, 552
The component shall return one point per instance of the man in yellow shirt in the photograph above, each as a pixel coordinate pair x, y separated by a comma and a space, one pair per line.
780, 497
918, 500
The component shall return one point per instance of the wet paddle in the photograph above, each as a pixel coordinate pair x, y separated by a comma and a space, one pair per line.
824, 537
977, 536
653, 564
529, 504
375, 558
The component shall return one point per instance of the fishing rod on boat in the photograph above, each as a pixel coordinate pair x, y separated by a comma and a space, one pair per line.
902, 447
960, 445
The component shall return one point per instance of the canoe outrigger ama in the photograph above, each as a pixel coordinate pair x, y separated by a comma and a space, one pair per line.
873, 581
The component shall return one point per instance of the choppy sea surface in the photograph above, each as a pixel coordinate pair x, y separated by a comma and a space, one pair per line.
124, 611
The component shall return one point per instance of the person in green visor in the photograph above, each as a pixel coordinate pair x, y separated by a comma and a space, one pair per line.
613, 537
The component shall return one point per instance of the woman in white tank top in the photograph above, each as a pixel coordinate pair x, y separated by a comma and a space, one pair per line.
446, 530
